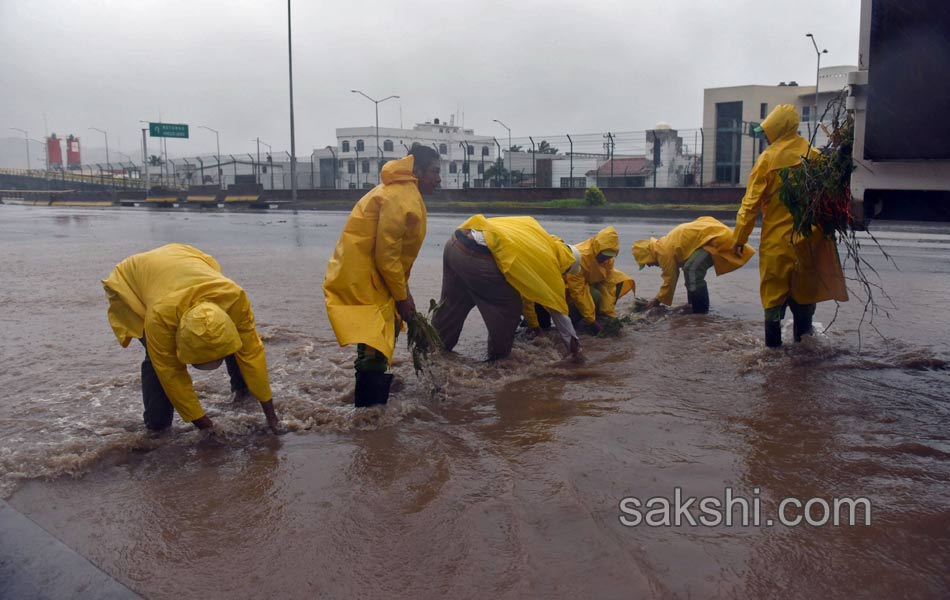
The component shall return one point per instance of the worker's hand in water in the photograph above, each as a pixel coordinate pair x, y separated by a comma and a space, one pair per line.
240, 395
203, 423
272, 421
575, 346
738, 249
597, 327
406, 308
651, 304
536, 332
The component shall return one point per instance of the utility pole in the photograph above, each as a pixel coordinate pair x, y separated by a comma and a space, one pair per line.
571, 142
379, 150
26, 139
509, 148
145, 160
817, 76
293, 147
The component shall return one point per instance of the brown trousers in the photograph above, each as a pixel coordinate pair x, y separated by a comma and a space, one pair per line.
471, 278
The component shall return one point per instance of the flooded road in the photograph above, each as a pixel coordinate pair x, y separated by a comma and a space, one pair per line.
506, 484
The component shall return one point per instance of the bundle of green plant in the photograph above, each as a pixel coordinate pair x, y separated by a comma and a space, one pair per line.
422, 338
639, 304
818, 195
613, 325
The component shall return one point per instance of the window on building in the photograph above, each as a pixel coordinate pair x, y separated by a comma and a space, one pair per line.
366, 166
388, 146
351, 166
443, 149
471, 150
453, 168
728, 141
345, 146
763, 110
359, 146
806, 114
485, 151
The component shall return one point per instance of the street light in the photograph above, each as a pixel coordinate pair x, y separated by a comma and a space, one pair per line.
270, 161
26, 137
379, 157
293, 143
817, 75
217, 140
107, 141
333, 153
509, 148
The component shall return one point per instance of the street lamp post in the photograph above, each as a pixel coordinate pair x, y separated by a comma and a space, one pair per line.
107, 141
26, 137
293, 143
509, 148
817, 75
217, 140
270, 160
379, 157
333, 154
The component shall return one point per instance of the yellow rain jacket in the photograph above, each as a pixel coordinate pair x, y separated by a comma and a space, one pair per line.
672, 250
189, 313
807, 268
369, 270
602, 276
532, 260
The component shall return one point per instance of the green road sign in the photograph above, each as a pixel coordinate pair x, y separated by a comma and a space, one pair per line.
169, 130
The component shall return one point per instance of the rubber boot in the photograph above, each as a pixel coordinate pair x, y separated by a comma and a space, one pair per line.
773, 334
372, 387
700, 301
801, 325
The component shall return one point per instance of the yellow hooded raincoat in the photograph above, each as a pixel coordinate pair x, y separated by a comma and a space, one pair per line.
369, 270
532, 260
672, 250
807, 268
602, 276
189, 313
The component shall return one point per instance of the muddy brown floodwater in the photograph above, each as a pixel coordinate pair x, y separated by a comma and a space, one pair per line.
508, 483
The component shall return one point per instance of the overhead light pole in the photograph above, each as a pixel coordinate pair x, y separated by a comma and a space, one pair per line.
217, 140
379, 150
509, 148
293, 146
107, 141
817, 75
26, 137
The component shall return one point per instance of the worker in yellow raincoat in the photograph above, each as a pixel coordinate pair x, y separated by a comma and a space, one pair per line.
594, 291
795, 271
504, 265
176, 302
367, 279
694, 247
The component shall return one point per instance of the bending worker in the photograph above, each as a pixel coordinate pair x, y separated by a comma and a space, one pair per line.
795, 271
693, 247
367, 279
594, 291
503, 266
176, 302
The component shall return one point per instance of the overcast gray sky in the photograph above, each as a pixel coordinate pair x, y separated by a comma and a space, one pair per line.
543, 67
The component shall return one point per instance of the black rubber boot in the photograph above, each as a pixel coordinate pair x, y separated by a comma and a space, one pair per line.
773, 334
372, 387
801, 325
700, 301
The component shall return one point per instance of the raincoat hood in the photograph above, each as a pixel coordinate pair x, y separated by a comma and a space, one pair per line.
206, 333
399, 171
606, 240
644, 252
781, 123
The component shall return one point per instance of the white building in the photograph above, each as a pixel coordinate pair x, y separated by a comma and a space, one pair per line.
730, 113
465, 156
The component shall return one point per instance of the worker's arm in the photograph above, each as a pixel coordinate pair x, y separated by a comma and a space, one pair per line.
578, 292
751, 204
160, 328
